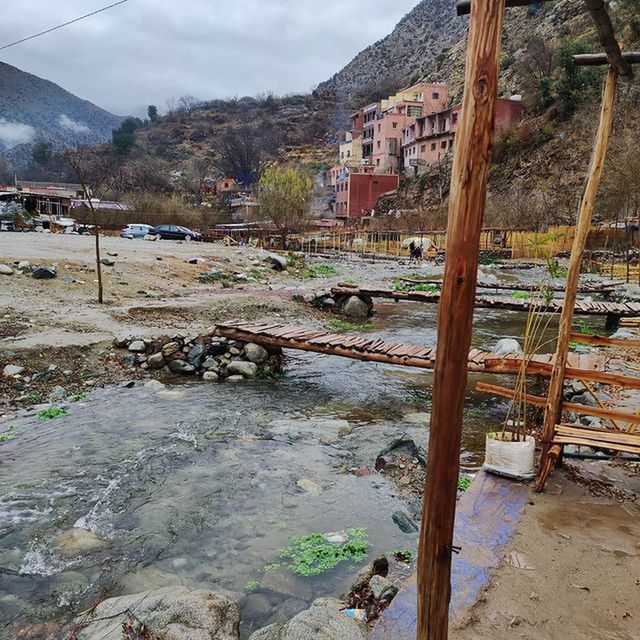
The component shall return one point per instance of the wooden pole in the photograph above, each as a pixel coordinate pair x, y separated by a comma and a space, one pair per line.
554, 401
467, 200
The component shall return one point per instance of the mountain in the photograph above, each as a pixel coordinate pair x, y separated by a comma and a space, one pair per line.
422, 36
32, 109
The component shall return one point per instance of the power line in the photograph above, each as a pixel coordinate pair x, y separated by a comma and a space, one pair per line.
88, 15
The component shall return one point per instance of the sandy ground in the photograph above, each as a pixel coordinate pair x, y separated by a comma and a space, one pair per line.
573, 572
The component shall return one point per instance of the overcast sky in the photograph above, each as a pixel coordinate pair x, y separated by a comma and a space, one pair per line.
146, 51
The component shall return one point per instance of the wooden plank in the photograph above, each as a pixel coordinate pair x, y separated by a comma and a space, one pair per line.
603, 341
582, 409
600, 59
467, 198
564, 440
608, 435
554, 402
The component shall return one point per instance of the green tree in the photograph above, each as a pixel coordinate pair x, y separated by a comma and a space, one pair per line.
123, 138
152, 112
285, 199
574, 83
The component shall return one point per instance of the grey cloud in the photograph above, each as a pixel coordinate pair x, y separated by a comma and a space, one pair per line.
148, 51
14, 133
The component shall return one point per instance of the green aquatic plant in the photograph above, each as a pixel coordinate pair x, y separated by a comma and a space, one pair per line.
345, 325
463, 483
424, 287
586, 330
8, 434
323, 270
403, 555
520, 295
53, 412
32, 398
313, 555
252, 585
82, 395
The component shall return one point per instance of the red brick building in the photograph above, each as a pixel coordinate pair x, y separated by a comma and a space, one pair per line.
358, 193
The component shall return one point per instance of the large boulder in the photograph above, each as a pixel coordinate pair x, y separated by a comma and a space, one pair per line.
242, 368
325, 620
172, 613
507, 346
255, 353
6, 270
277, 262
75, 542
44, 273
355, 307
12, 370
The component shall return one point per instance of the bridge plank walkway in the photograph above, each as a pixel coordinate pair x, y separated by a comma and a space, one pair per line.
583, 307
372, 349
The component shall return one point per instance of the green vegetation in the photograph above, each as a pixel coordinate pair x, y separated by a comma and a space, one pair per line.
586, 329
464, 483
32, 398
53, 412
520, 295
425, 287
403, 555
8, 434
80, 396
324, 270
313, 555
345, 325
252, 585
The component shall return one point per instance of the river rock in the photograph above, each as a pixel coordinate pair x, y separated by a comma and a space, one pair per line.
12, 370
23, 265
241, 368
154, 385
107, 262
507, 346
170, 348
209, 363
354, 307
624, 334
6, 270
235, 379
171, 613
181, 366
382, 588
44, 273
288, 583
76, 542
379, 567
324, 620
405, 522
257, 605
210, 376
287, 610
137, 346
277, 262
196, 355
584, 398
255, 353
156, 361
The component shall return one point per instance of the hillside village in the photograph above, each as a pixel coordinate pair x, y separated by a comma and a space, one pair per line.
353, 364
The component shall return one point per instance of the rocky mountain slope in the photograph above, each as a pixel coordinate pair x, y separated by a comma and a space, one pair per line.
421, 37
32, 109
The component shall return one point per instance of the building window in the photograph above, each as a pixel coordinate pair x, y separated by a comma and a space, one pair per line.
378, 162
378, 144
423, 148
348, 154
454, 118
435, 95
379, 128
395, 125
450, 143
433, 146
443, 144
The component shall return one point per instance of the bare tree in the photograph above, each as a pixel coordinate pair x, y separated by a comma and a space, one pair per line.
187, 104
95, 171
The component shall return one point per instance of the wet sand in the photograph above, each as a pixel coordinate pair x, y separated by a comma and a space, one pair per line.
573, 571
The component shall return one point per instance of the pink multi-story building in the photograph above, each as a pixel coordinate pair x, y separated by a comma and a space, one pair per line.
430, 138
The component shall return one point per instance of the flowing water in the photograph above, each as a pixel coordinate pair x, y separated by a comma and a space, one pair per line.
198, 484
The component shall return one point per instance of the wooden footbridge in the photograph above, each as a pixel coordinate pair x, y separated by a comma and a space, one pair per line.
377, 350
613, 311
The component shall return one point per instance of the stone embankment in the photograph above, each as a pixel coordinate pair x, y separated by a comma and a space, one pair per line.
212, 357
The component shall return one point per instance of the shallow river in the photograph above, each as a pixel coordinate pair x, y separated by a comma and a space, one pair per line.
196, 484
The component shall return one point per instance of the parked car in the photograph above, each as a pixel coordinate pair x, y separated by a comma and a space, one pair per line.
136, 231
172, 232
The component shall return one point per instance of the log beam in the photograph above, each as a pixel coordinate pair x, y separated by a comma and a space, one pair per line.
463, 7
554, 402
600, 59
467, 201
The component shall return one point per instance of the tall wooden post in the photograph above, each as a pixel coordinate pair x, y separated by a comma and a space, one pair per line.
474, 139
554, 400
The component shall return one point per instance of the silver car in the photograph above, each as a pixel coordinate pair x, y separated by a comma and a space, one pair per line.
135, 231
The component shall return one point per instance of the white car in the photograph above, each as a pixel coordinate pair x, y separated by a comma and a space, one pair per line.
135, 231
